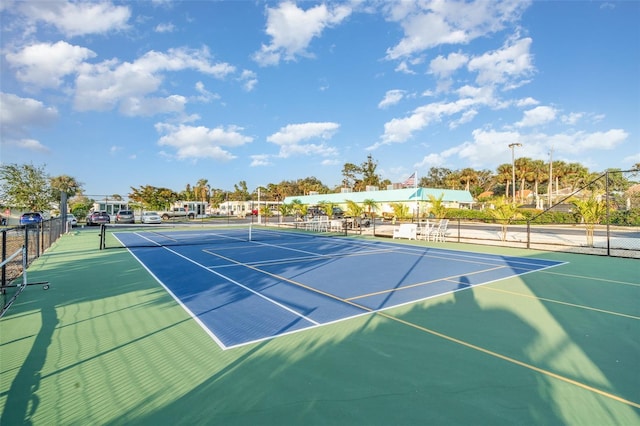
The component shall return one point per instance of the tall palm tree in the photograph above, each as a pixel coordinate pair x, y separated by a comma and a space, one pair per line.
539, 172
468, 176
523, 173
504, 175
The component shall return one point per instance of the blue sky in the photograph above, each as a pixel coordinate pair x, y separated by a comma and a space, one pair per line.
164, 93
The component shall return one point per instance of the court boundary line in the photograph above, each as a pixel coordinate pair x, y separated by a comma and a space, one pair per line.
419, 328
509, 359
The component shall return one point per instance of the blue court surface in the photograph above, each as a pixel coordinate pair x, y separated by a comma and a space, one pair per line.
247, 291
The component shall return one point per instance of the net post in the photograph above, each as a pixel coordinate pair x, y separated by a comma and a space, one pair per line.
102, 236
250, 229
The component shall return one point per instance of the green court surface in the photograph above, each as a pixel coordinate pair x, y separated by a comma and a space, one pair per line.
106, 344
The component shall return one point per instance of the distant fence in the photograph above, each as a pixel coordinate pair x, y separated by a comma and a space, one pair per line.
35, 239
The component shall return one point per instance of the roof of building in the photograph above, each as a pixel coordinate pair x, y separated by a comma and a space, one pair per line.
386, 196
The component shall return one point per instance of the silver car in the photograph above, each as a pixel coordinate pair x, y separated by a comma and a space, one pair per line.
151, 217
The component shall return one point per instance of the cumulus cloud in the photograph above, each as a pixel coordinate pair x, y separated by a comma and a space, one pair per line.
260, 160
46, 64
17, 117
430, 24
78, 18
537, 116
508, 66
392, 97
130, 85
290, 138
199, 142
292, 29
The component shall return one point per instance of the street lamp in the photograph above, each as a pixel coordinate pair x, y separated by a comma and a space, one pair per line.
513, 169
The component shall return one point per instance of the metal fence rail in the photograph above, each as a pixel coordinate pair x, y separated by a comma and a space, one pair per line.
35, 239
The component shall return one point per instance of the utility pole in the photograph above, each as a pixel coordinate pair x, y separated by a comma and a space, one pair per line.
513, 169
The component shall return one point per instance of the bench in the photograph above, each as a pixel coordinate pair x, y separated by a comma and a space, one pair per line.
406, 230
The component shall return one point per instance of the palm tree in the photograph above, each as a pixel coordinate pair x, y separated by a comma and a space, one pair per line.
468, 176
437, 208
371, 206
504, 175
354, 209
523, 173
539, 172
504, 213
592, 211
285, 210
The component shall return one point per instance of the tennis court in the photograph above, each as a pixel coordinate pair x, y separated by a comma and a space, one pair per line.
292, 329
246, 284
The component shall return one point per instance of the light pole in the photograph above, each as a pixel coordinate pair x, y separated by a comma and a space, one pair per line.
513, 169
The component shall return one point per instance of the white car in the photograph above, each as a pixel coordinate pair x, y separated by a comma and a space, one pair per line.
71, 219
151, 217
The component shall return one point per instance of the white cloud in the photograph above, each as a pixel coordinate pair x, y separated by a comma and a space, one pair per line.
128, 85
165, 28
430, 24
289, 139
399, 130
78, 18
506, 66
572, 118
260, 160
392, 97
199, 142
292, 29
537, 116
46, 64
443, 67
249, 80
17, 117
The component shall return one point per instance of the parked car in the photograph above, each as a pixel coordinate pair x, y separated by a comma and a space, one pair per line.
98, 218
151, 217
125, 216
71, 219
31, 218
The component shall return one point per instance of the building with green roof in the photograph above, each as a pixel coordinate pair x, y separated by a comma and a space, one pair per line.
451, 198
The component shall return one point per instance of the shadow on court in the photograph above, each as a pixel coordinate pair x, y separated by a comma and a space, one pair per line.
107, 345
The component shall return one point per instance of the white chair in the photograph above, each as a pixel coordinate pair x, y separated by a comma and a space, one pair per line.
440, 231
424, 229
323, 224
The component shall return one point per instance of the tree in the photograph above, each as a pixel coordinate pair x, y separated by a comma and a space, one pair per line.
505, 175
240, 192
64, 183
523, 173
153, 198
371, 206
592, 211
25, 187
504, 213
369, 175
437, 208
436, 178
354, 209
349, 175
201, 190
468, 176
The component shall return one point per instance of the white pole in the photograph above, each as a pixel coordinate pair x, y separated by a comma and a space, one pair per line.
259, 219
513, 169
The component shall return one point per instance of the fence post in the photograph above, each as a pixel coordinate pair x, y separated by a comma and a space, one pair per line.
528, 234
4, 256
606, 200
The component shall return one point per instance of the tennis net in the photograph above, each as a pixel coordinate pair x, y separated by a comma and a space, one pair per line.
180, 234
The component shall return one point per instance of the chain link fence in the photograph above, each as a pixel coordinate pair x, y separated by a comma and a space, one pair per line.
20, 246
